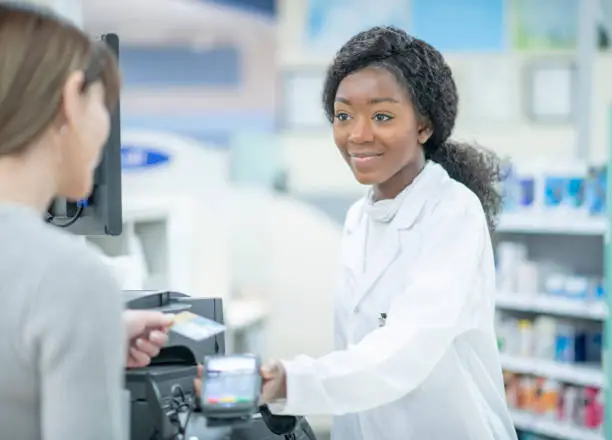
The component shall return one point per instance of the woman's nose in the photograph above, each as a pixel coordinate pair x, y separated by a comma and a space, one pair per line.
361, 131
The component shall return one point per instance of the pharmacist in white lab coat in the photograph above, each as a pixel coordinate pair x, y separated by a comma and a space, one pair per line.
416, 355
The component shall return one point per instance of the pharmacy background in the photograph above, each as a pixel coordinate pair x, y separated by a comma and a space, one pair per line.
226, 158
551, 298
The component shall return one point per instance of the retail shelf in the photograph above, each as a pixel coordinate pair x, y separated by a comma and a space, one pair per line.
553, 428
554, 305
242, 313
584, 375
568, 224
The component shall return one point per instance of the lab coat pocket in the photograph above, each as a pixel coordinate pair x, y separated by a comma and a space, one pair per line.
349, 273
388, 422
347, 283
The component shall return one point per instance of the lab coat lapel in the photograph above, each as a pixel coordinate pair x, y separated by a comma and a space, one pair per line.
408, 213
353, 251
385, 255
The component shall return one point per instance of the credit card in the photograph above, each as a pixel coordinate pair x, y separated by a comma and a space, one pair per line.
195, 327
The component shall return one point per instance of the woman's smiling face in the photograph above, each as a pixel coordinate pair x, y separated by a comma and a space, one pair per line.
377, 129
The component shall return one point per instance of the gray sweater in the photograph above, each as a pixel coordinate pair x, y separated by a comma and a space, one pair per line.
62, 344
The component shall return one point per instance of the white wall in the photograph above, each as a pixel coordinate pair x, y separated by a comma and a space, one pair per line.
202, 26
257, 92
70, 9
314, 165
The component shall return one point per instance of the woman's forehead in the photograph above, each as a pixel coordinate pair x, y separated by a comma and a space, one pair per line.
370, 85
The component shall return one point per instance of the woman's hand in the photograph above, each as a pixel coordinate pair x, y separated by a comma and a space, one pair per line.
274, 382
147, 333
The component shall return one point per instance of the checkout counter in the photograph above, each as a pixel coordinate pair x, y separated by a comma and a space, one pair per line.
162, 395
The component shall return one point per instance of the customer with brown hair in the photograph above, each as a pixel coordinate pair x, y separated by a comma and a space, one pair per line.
63, 346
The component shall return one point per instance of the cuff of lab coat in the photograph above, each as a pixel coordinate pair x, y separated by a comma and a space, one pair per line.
278, 408
291, 405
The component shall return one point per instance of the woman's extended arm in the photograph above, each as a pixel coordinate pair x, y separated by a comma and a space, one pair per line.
392, 361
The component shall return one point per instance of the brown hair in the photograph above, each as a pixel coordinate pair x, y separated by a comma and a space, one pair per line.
38, 52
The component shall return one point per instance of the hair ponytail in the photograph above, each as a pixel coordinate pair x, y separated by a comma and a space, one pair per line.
477, 168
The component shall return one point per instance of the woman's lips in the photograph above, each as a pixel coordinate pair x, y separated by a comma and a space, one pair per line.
364, 159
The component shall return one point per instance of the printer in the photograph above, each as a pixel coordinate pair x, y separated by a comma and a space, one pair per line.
175, 302
162, 394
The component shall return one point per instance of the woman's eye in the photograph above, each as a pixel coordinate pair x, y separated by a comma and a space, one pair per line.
342, 116
381, 117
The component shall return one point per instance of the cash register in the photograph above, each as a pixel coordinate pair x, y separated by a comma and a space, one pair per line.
162, 396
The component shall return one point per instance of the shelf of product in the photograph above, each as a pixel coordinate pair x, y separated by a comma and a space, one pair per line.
541, 223
560, 349
545, 429
575, 193
551, 300
578, 374
243, 313
555, 409
553, 305
516, 272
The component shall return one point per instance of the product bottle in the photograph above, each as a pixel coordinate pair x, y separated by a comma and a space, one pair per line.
525, 330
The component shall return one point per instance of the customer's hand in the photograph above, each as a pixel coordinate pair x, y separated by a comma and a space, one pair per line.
198, 381
147, 333
274, 382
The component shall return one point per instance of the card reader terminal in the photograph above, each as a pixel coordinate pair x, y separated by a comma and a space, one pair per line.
230, 388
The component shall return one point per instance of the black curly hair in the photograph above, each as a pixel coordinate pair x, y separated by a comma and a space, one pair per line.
427, 78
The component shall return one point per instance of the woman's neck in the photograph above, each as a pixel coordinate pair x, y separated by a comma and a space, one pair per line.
399, 182
26, 180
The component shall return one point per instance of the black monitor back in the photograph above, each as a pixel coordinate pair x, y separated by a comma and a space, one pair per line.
101, 214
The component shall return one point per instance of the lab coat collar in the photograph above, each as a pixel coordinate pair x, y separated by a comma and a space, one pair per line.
413, 199
430, 178
418, 192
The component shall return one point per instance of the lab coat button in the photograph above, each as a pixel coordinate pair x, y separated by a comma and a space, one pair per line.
356, 310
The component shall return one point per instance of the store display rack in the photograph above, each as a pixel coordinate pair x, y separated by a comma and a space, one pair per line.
578, 242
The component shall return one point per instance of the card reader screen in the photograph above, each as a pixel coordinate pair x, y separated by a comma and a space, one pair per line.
231, 381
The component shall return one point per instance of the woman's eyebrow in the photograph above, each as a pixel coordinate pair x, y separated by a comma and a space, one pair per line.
372, 101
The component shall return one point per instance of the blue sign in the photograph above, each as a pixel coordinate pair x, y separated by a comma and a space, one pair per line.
138, 158
264, 7
461, 26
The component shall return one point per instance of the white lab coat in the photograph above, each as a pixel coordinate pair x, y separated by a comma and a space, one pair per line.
432, 371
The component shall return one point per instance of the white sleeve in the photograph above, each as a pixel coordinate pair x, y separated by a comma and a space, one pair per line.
393, 360
81, 352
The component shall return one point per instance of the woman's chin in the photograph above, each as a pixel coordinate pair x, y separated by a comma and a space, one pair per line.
365, 178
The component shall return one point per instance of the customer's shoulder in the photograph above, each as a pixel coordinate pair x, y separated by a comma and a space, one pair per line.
44, 267
65, 252
74, 270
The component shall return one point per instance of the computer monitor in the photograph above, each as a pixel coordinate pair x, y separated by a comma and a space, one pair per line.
101, 213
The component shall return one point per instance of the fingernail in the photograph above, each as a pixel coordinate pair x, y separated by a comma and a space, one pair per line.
158, 336
138, 342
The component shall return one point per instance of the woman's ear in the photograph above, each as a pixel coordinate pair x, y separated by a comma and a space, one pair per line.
425, 132
71, 106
